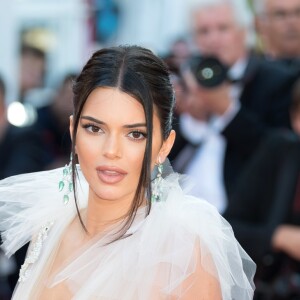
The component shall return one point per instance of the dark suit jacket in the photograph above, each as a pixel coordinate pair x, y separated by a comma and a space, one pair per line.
265, 100
56, 140
20, 152
292, 64
264, 197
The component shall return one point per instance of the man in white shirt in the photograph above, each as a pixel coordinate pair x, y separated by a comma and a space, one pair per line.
239, 114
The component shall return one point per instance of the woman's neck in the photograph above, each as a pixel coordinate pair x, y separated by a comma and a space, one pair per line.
102, 213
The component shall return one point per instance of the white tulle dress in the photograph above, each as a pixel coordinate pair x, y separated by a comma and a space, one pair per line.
156, 261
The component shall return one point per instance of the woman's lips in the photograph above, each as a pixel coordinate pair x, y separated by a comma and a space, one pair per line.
110, 175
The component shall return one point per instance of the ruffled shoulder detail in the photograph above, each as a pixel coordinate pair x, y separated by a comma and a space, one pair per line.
199, 226
28, 202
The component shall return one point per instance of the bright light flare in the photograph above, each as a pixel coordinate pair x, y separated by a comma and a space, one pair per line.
21, 115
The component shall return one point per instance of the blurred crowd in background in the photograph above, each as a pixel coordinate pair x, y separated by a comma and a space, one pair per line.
235, 67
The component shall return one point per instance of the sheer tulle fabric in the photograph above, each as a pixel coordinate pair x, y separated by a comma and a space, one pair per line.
156, 261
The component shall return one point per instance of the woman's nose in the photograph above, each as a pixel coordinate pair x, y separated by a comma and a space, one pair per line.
112, 147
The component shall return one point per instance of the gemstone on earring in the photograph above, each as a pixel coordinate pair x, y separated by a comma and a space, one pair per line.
66, 199
65, 171
61, 185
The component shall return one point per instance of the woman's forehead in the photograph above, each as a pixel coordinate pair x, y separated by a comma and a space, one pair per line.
113, 106
112, 103
102, 98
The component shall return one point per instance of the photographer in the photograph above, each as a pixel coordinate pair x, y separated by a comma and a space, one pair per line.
226, 123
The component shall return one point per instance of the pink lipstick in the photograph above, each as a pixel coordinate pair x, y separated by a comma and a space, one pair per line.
110, 174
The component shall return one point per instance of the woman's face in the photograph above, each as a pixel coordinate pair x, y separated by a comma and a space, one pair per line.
111, 142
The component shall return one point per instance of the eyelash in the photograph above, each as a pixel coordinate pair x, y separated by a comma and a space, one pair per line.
143, 135
89, 127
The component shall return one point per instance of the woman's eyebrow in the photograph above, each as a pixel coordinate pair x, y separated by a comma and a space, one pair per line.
92, 119
135, 125
103, 123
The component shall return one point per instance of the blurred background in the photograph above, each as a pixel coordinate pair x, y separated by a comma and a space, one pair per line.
68, 31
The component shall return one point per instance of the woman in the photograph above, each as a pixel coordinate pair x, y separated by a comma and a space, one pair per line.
133, 234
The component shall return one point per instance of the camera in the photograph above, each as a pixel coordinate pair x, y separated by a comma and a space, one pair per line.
208, 70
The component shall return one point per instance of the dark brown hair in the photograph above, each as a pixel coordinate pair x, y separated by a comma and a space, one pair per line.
139, 73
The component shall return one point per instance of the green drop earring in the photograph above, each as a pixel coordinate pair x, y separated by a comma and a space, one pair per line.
66, 184
156, 184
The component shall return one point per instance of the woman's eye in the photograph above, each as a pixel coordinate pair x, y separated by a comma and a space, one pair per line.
92, 128
137, 135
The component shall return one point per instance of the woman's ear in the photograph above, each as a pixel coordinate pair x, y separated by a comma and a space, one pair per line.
71, 127
167, 146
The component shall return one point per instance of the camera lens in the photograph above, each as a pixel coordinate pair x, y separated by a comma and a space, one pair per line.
208, 71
